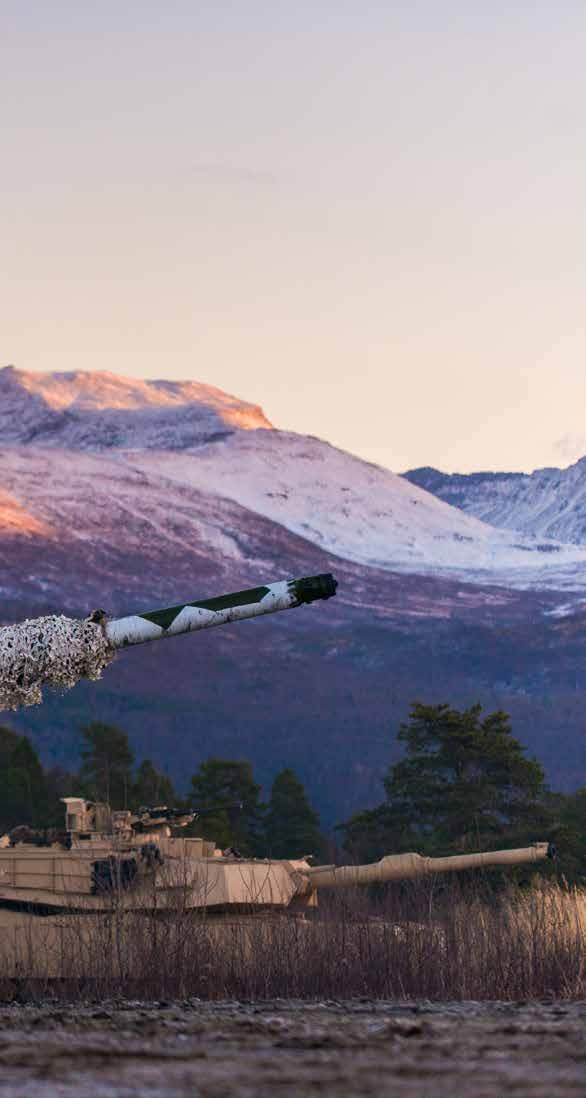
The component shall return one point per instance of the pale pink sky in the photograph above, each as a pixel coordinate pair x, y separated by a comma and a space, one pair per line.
368, 217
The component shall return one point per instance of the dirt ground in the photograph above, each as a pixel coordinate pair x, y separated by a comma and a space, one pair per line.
243, 1050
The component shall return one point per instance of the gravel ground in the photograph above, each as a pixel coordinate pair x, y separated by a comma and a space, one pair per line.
242, 1050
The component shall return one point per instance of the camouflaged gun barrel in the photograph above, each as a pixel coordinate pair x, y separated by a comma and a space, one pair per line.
401, 867
203, 613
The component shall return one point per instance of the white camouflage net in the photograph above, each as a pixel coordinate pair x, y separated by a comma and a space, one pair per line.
50, 651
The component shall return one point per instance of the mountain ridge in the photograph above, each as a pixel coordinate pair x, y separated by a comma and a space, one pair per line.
549, 503
211, 441
101, 410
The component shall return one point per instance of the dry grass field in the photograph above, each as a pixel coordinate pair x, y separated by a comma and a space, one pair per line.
425, 990
421, 940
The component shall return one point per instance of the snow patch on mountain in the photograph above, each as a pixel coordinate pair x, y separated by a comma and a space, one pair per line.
363, 512
98, 499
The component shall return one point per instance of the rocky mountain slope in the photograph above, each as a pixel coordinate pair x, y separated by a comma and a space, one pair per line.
128, 495
363, 512
549, 503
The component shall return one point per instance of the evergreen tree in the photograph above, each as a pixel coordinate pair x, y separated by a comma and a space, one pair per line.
107, 764
23, 789
8, 742
59, 783
464, 784
221, 785
292, 827
568, 811
151, 788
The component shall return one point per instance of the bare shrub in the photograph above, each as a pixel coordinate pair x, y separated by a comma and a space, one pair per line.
419, 940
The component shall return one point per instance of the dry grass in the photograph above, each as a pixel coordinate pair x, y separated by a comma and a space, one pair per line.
417, 941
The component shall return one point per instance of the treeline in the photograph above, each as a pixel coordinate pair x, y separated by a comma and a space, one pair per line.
464, 784
225, 791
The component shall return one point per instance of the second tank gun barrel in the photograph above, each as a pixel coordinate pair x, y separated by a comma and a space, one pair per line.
188, 617
401, 867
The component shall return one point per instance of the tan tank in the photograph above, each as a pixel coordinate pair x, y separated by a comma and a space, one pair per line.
66, 907
105, 857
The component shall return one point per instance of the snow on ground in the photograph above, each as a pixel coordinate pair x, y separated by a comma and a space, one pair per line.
90, 497
363, 512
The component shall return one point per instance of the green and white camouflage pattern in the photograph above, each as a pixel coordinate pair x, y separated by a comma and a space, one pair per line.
204, 613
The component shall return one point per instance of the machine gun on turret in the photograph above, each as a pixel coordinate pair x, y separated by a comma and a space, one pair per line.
148, 818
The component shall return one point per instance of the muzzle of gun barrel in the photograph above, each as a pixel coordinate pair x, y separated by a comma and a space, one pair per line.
312, 588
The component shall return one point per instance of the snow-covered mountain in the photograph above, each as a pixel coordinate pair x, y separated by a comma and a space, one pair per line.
549, 503
78, 530
204, 441
363, 512
127, 495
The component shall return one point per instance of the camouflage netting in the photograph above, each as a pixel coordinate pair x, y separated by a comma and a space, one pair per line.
50, 651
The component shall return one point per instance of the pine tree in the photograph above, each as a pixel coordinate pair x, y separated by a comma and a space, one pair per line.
60, 783
23, 789
222, 785
568, 811
151, 788
107, 764
463, 784
292, 826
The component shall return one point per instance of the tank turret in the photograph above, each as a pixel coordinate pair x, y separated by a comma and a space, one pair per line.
104, 857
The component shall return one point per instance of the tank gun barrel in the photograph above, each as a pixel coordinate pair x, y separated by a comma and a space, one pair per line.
204, 613
399, 867
55, 650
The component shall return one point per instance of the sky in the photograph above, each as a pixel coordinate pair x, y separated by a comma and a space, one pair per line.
367, 217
